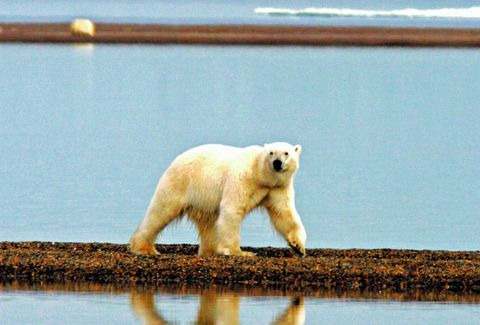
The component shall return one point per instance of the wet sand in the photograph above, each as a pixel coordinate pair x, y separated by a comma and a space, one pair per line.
244, 35
274, 268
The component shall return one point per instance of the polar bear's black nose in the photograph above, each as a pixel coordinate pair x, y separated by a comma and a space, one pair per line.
277, 165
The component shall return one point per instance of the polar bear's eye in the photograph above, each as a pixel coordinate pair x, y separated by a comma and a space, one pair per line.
271, 153
286, 153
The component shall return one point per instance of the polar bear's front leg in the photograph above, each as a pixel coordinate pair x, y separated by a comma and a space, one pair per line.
228, 229
208, 237
283, 214
294, 314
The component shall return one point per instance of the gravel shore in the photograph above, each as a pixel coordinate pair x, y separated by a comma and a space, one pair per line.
352, 269
243, 35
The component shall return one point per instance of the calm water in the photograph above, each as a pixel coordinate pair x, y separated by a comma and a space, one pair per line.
109, 306
390, 138
390, 159
223, 11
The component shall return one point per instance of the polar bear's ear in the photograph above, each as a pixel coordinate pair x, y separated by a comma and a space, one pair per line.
298, 149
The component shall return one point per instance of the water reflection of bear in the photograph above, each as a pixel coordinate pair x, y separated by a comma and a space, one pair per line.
215, 308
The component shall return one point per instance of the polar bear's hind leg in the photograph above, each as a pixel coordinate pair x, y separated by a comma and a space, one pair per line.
161, 213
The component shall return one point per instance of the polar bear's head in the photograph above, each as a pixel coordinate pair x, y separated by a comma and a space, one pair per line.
281, 157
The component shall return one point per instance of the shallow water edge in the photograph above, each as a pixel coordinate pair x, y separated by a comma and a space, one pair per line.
238, 290
80, 302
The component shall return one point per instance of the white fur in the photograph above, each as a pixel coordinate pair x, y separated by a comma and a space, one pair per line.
215, 308
216, 186
82, 27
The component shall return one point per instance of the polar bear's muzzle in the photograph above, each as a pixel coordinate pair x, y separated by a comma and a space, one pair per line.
277, 165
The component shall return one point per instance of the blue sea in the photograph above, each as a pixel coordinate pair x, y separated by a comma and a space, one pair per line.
106, 305
390, 138
400, 13
390, 143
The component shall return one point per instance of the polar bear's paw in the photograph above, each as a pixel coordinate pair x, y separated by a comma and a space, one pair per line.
148, 250
297, 249
234, 252
141, 247
296, 240
247, 254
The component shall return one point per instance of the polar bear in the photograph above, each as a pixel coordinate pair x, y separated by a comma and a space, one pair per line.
216, 186
82, 27
215, 308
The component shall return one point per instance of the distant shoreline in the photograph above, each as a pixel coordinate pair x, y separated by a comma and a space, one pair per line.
243, 35
322, 269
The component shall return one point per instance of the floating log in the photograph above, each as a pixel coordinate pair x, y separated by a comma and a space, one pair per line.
331, 269
243, 35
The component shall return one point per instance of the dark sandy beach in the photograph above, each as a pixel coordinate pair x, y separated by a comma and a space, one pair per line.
275, 268
244, 35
